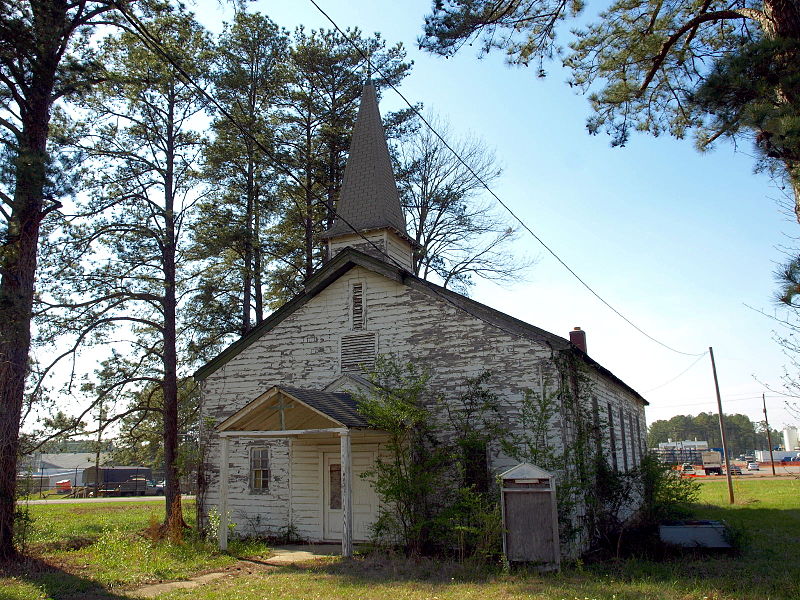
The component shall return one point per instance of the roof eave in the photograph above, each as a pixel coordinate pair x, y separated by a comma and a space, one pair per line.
349, 258
327, 274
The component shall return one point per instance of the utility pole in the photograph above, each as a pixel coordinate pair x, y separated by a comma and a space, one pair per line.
769, 434
722, 428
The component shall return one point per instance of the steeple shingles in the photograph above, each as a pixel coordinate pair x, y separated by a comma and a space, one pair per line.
369, 198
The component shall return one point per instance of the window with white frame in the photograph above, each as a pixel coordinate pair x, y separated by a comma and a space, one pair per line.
259, 469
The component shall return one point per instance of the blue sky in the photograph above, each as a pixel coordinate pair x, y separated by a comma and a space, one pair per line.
679, 242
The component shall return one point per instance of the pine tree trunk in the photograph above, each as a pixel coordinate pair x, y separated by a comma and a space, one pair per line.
257, 282
247, 280
783, 22
308, 220
18, 270
172, 490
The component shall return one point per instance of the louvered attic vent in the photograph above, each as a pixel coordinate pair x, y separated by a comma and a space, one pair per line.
358, 352
357, 304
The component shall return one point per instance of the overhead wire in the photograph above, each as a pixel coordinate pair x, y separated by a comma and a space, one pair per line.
154, 44
686, 370
499, 200
712, 400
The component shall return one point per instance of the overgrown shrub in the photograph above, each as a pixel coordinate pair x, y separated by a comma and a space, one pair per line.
409, 480
628, 505
23, 526
436, 490
665, 494
439, 496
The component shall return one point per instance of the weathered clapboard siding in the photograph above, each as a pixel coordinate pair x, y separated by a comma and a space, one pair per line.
306, 486
258, 513
305, 350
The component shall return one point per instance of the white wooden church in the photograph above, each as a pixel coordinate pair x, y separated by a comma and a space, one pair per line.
285, 441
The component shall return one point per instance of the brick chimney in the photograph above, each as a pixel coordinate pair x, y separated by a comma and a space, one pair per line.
577, 338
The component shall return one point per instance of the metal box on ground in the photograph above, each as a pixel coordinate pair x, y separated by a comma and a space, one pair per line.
694, 534
530, 518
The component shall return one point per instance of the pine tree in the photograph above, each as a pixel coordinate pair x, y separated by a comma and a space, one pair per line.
716, 68
249, 82
124, 261
38, 68
326, 78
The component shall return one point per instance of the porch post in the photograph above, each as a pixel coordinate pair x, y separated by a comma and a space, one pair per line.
347, 494
223, 494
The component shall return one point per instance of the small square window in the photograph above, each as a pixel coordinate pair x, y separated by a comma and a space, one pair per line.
259, 469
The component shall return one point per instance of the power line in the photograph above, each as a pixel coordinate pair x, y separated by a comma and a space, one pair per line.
658, 387
701, 402
496, 197
153, 43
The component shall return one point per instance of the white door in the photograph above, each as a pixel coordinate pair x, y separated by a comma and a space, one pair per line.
365, 500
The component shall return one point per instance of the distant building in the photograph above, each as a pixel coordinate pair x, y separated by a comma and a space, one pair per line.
681, 444
54, 467
790, 439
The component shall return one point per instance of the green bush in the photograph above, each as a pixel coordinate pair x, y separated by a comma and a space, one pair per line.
665, 494
436, 490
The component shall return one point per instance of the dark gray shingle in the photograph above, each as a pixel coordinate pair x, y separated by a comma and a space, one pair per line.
338, 405
369, 198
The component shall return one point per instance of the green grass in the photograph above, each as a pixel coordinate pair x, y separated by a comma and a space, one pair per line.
100, 547
107, 552
767, 514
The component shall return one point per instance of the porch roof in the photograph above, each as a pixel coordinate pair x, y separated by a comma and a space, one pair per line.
339, 406
316, 409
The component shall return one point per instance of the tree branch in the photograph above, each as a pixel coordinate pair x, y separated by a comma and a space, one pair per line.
721, 15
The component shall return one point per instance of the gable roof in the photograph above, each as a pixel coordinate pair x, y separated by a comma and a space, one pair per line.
70, 460
369, 198
350, 258
525, 471
337, 406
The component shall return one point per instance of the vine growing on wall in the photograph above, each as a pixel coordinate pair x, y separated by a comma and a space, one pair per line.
434, 482
558, 434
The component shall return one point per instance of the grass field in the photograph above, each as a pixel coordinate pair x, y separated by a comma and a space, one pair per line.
98, 550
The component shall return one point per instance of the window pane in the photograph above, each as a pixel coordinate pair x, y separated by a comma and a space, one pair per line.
259, 468
336, 486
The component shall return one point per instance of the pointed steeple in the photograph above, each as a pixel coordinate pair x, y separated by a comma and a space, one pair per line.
369, 202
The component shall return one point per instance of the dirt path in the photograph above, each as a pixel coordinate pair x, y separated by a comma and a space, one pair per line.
280, 557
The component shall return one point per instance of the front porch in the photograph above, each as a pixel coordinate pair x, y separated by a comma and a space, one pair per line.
330, 447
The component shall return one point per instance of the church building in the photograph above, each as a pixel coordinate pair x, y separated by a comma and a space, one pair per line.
285, 442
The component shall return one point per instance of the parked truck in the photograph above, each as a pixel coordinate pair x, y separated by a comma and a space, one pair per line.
712, 462
108, 481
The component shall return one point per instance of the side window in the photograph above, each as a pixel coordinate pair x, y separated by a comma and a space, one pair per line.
597, 434
612, 437
624, 441
259, 469
357, 306
476, 465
